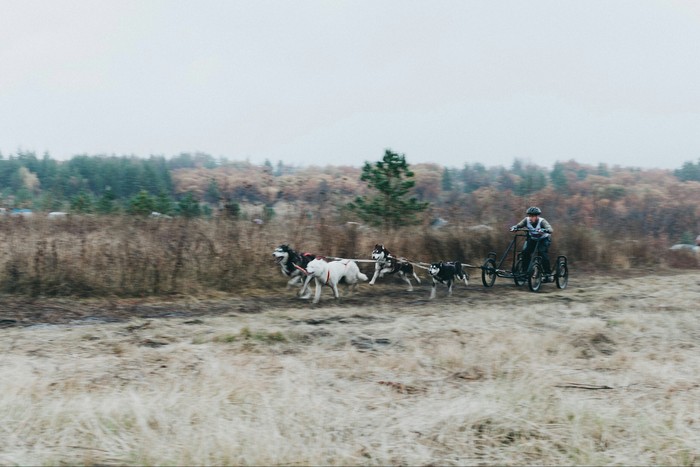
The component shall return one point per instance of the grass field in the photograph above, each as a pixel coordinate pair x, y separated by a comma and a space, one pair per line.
605, 372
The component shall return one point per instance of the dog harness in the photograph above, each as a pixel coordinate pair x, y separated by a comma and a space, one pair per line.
532, 229
328, 273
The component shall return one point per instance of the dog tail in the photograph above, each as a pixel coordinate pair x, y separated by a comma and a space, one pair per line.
362, 277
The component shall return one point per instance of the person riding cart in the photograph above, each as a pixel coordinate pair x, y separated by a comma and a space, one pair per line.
538, 231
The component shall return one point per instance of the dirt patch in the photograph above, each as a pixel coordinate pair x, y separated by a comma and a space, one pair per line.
22, 311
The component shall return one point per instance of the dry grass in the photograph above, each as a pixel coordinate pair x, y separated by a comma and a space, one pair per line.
602, 373
132, 257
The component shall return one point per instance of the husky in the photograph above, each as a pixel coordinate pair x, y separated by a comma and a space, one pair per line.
386, 263
331, 273
447, 273
293, 265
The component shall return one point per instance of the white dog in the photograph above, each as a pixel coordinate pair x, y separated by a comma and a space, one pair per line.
332, 273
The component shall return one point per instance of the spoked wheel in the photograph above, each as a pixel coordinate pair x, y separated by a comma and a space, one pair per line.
534, 279
562, 273
488, 272
519, 274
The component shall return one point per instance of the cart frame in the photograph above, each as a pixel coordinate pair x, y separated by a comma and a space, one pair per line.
534, 275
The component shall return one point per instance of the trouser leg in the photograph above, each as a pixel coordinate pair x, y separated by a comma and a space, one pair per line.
544, 253
527, 253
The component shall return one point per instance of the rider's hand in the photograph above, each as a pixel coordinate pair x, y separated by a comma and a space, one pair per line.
514, 228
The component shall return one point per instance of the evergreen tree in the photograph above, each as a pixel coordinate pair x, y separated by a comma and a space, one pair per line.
391, 207
105, 205
447, 180
142, 204
163, 203
267, 166
232, 209
475, 177
559, 179
689, 172
81, 203
532, 179
213, 194
188, 206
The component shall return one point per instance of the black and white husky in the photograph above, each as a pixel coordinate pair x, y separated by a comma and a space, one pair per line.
332, 273
447, 273
293, 265
386, 263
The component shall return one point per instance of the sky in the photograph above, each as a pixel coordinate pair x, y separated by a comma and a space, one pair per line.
334, 82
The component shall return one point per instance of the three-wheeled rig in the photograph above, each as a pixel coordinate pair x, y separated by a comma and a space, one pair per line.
532, 273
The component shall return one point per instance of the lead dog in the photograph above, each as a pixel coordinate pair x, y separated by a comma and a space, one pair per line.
332, 273
447, 273
293, 265
386, 263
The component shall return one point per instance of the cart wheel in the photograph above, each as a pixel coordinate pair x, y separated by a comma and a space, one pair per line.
488, 273
562, 273
519, 274
534, 279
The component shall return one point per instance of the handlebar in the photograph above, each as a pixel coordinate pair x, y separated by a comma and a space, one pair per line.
525, 230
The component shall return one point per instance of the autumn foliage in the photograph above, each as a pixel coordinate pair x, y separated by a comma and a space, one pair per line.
605, 219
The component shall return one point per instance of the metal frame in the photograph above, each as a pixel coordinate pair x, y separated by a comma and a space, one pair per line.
534, 274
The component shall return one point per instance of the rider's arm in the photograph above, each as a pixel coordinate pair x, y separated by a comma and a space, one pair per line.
546, 227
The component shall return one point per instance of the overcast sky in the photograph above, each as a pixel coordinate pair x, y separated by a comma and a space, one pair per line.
338, 82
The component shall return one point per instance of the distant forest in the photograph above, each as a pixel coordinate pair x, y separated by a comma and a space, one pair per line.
614, 199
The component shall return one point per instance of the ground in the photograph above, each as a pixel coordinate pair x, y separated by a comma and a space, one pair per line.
27, 311
603, 372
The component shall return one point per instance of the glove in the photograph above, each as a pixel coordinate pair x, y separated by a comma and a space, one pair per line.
514, 228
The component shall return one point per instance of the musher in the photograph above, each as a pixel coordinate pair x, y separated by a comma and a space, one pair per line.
538, 231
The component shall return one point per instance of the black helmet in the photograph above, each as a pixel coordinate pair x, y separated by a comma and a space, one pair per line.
534, 210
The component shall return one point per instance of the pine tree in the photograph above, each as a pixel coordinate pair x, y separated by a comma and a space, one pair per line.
142, 204
188, 206
391, 207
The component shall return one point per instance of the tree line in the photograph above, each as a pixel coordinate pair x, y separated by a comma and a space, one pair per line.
98, 184
386, 193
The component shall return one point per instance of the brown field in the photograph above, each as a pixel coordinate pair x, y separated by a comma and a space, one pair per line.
604, 372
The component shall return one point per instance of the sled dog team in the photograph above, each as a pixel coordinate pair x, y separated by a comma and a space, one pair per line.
302, 267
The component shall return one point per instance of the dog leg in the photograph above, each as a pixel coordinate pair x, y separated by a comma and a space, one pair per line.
449, 288
319, 286
408, 281
416, 276
336, 293
432, 291
305, 292
376, 274
293, 281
